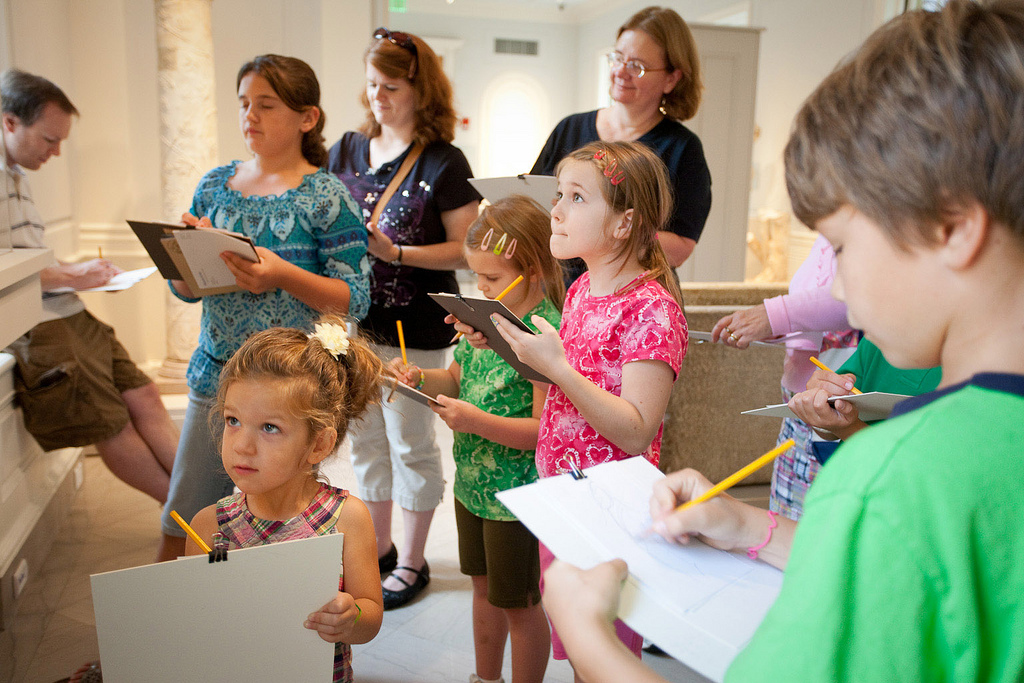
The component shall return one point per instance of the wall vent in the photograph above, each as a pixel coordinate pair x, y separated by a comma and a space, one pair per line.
507, 46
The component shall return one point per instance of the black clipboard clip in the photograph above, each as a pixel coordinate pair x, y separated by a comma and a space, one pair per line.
458, 295
575, 471
220, 549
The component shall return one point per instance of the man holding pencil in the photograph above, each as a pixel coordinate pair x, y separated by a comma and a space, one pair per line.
75, 382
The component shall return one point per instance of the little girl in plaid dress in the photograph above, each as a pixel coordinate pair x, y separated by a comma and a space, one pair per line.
285, 401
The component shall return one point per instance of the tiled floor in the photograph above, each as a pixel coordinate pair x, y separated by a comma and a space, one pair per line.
113, 527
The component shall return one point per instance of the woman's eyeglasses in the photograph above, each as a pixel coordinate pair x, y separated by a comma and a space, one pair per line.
399, 38
633, 67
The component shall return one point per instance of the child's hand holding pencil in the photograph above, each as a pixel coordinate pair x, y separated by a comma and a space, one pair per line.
686, 505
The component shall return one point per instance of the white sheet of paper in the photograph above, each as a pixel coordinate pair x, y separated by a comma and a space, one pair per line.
699, 604
124, 280
540, 188
118, 283
235, 621
202, 250
871, 405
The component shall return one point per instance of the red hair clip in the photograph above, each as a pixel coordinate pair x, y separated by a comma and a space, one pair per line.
611, 169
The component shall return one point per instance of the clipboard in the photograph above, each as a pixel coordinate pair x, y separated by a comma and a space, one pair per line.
871, 406
198, 265
539, 188
151, 236
411, 392
476, 311
177, 621
698, 603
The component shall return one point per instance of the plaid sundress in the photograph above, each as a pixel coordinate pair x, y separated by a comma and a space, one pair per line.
243, 530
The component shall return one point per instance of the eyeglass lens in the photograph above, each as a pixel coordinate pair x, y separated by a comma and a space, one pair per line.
633, 67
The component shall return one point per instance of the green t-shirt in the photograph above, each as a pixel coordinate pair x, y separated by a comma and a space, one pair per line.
908, 564
482, 467
874, 373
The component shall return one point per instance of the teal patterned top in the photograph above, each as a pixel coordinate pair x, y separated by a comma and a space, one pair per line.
316, 226
482, 467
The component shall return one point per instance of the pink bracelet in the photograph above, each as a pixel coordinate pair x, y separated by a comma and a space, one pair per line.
752, 552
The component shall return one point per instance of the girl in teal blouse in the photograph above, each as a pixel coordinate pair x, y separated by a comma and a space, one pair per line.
312, 246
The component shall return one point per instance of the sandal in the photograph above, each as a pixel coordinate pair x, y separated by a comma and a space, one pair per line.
393, 599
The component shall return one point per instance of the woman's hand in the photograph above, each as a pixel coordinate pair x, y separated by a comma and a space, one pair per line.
460, 416
475, 338
543, 351
742, 328
380, 245
264, 276
335, 621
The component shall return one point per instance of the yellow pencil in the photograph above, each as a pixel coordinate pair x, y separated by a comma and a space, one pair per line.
188, 530
101, 251
740, 475
505, 291
401, 342
826, 368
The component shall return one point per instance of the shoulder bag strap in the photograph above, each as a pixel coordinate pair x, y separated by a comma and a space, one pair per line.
399, 176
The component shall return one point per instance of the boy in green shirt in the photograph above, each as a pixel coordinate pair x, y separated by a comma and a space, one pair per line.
909, 561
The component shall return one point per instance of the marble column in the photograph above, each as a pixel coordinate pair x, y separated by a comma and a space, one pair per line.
188, 137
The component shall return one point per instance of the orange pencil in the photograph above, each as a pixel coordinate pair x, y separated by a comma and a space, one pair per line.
401, 342
190, 531
740, 475
458, 335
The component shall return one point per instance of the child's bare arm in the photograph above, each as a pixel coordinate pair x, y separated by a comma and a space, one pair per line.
582, 606
355, 615
514, 432
204, 524
630, 420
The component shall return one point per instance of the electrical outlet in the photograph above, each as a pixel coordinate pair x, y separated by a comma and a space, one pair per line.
79, 473
20, 577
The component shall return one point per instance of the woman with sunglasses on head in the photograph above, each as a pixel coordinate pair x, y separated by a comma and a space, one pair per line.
655, 84
412, 185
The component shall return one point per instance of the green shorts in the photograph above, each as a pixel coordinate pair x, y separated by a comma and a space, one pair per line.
71, 374
506, 552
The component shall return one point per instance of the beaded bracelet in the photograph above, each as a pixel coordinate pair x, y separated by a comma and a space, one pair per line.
423, 380
772, 523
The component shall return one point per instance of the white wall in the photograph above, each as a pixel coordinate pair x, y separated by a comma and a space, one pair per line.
554, 67
802, 42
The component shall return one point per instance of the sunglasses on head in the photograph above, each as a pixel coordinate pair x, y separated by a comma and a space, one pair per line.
399, 38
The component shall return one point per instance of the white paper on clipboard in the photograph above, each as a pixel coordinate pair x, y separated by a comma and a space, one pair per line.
539, 188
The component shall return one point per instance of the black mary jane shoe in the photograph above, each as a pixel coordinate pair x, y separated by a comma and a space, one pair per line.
388, 561
393, 599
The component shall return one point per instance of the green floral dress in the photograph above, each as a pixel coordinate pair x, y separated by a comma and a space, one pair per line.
482, 467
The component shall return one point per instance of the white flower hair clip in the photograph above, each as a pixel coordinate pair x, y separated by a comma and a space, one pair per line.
334, 338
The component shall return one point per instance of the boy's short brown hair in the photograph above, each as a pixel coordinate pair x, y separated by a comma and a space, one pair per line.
928, 114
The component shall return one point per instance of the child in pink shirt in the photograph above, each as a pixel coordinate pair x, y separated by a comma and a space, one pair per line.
623, 334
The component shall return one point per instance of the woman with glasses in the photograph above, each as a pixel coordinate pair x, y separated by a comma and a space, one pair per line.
412, 186
655, 84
